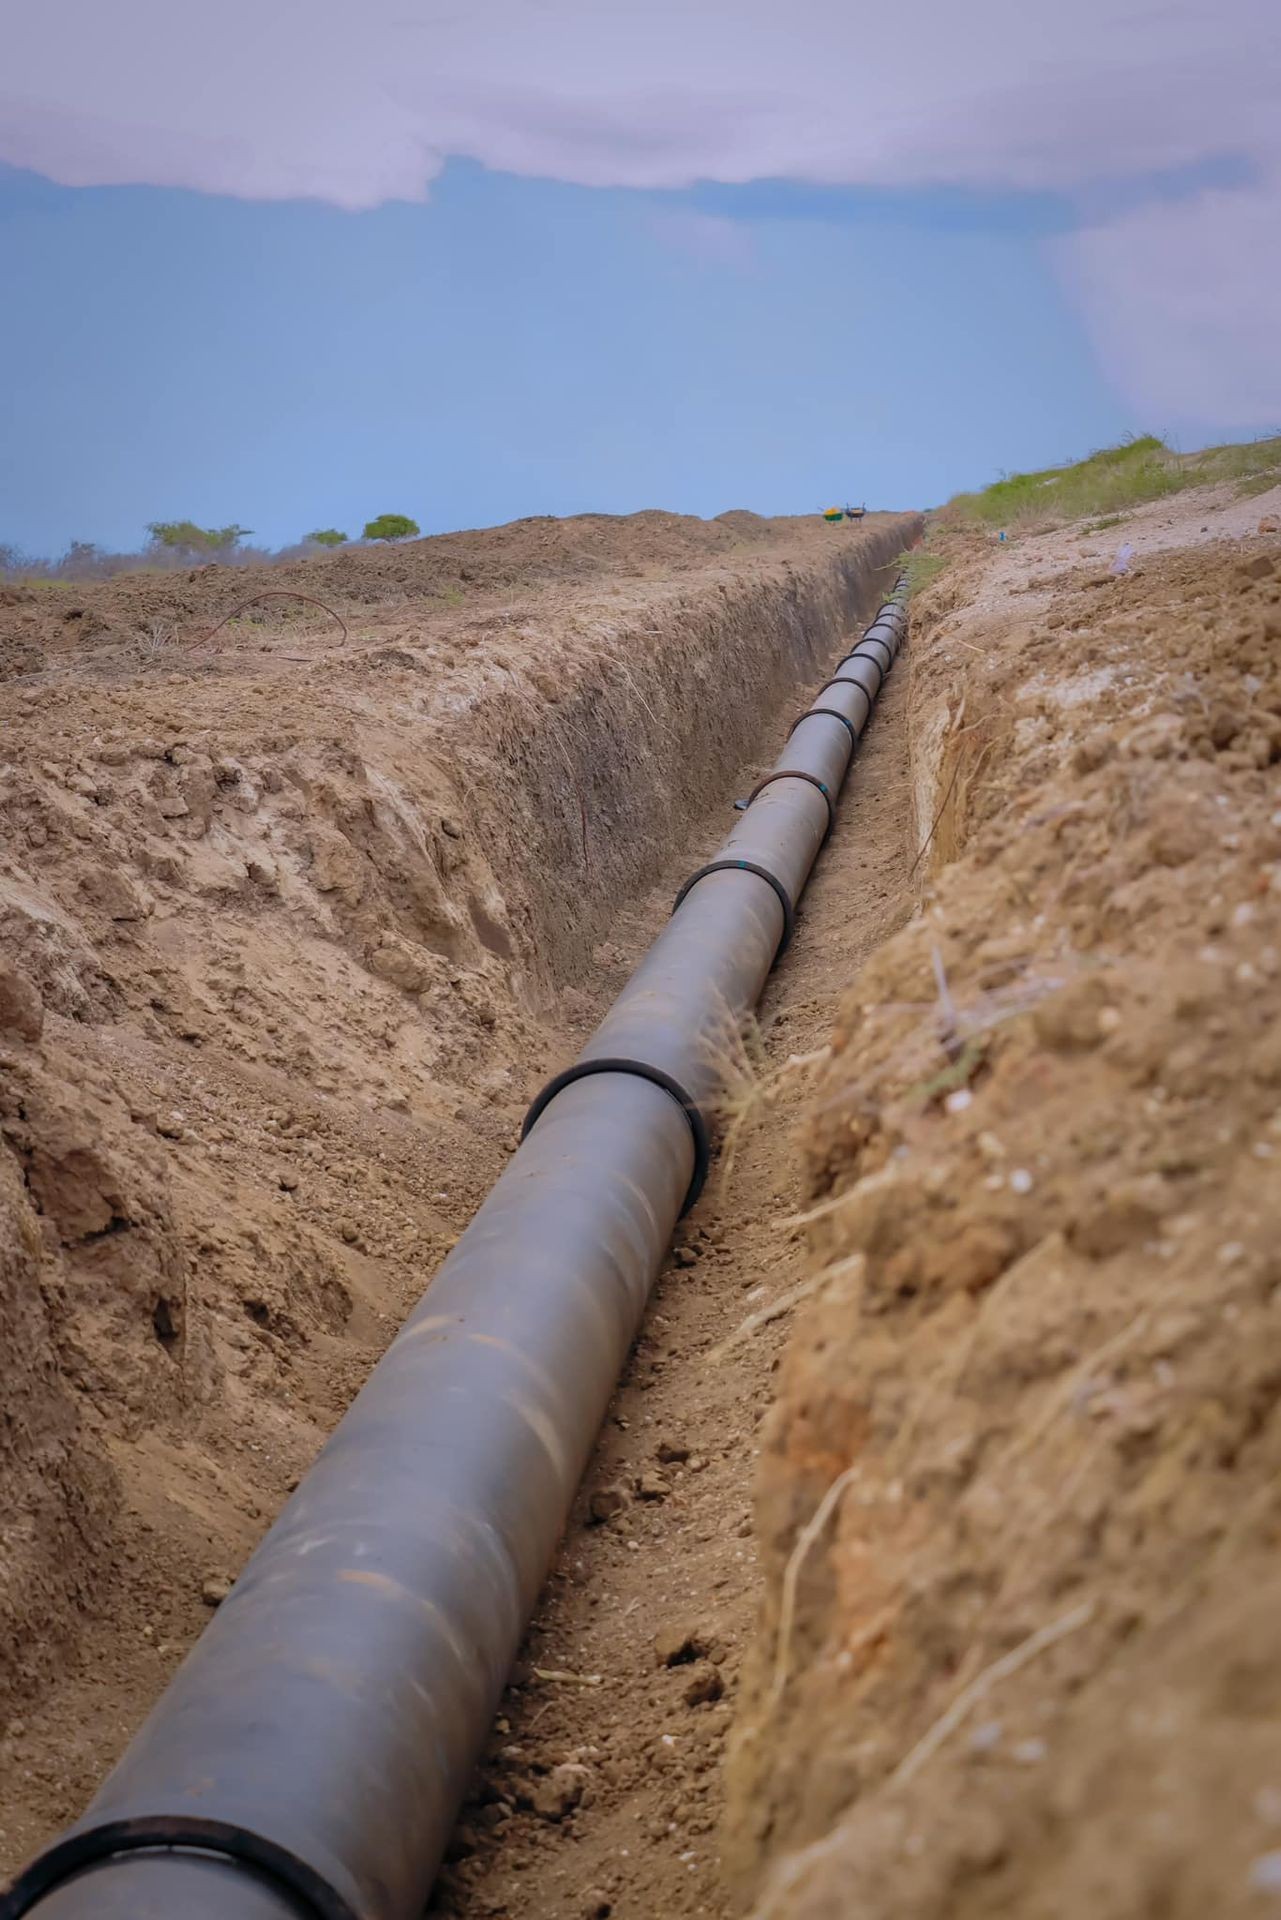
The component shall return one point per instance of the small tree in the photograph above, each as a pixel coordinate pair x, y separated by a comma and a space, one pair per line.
325, 537
81, 560
193, 542
391, 526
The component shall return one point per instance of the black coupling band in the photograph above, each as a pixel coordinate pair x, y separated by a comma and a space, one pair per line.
164, 1833
829, 713
762, 873
812, 779
640, 1070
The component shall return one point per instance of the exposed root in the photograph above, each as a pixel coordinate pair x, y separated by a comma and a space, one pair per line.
277, 593
809, 1534
777, 1308
979, 1688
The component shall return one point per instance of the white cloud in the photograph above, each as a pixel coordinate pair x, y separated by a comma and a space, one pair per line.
361, 101
357, 100
1184, 303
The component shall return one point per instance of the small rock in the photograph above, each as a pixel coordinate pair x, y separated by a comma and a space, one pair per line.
703, 1686
403, 964
559, 1791
607, 1503
1175, 839
652, 1486
671, 1452
1091, 752
686, 1256
349, 1232
21, 1008
595, 1905
1270, 524
215, 1589
1068, 1021
114, 894
288, 1181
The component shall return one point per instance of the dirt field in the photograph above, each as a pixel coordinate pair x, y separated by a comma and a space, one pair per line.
942, 1493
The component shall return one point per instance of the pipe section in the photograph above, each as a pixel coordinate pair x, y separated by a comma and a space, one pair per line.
308, 1759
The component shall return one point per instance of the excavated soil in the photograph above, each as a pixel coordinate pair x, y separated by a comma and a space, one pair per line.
298, 906
1019, 1498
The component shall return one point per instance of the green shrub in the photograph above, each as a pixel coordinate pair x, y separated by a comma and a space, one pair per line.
1257, 483
391, 526
326, 537
185, 537
920, 568
1109, 481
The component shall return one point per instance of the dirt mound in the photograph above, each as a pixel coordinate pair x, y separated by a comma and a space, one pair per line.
1018, 1497
149, 613
291, 923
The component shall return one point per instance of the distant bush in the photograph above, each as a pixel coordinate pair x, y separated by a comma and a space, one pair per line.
391, 526
327, 537
196, 543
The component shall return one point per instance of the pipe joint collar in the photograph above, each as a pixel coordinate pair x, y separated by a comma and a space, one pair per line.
641, 1070
811, 779
306, 1889
762, 873
829, 713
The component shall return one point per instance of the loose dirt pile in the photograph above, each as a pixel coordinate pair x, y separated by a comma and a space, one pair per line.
1020, 1493
292, 923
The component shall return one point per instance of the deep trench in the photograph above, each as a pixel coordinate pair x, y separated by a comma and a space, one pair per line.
742, 1241
646, 1836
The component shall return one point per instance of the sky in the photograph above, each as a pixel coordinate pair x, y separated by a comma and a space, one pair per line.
293, 266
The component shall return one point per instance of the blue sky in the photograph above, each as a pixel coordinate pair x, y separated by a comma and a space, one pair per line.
511, 347
697, 257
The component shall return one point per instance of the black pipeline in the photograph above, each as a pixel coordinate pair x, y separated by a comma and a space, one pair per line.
308, 1759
